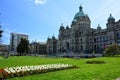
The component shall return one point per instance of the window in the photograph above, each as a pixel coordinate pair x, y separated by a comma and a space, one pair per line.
81, 47
118, 35
97, 39
110, 37
81, 39
79, 33
72, 40
94, 39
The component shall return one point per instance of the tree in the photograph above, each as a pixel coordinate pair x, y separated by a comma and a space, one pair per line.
112, 50
23, 46
1, 31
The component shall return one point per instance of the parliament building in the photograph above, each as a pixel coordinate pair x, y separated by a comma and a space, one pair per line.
80, 37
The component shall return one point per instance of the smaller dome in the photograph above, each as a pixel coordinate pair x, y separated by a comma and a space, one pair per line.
99, 27
74, 20
67, 27
111, 17
48, 38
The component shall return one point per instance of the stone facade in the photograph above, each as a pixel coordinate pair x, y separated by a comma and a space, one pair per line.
80, 37
52, 45
4, 48
38, 48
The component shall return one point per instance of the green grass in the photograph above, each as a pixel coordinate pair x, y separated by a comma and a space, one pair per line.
108, 71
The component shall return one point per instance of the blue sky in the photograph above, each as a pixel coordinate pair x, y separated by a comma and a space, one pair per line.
42, 18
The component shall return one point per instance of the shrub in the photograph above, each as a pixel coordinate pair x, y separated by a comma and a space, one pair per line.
112, 50
95, 62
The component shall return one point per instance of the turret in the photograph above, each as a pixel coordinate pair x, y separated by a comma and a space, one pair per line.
53, 37
111, 19
62, 27
67, 27
110, 22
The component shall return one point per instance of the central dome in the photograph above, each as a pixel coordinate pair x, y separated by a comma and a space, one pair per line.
80, 13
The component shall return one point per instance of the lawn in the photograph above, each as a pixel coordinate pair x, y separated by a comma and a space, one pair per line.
108, 71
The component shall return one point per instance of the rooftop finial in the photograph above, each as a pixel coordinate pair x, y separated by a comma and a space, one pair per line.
110, 15
80, 8
98, 25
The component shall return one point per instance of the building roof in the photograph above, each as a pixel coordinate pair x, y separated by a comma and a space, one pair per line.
80, 13
19, 33
39, 43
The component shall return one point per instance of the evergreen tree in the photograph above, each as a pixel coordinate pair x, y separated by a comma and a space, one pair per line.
23, 46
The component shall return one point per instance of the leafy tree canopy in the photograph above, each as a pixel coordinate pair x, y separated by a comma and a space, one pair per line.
112, 50
23, 46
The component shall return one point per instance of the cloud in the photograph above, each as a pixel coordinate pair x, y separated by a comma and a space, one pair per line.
38, 2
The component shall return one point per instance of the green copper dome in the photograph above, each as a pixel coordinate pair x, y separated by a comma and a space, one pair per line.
80, 13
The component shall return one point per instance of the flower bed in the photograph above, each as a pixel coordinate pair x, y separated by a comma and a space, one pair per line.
12, 72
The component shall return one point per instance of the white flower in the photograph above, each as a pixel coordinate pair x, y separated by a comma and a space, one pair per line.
36, 67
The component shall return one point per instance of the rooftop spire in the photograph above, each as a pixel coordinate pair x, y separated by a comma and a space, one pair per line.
98, 25
53, 37
80, 8
110, 14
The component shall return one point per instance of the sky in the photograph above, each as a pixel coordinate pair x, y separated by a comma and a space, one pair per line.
41, 19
